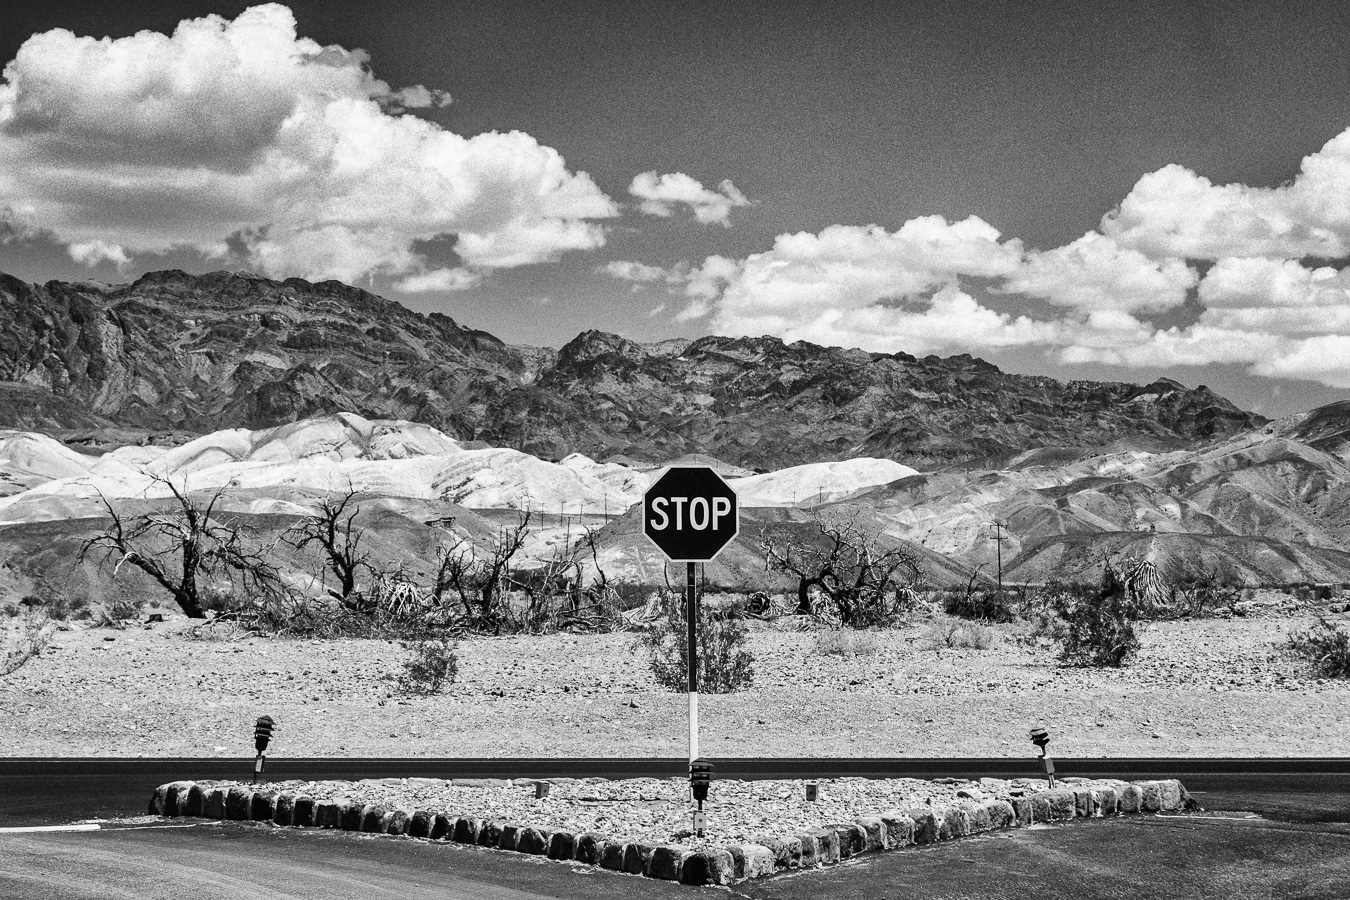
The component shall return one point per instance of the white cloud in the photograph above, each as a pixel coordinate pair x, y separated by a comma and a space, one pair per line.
438, 280
91, 253
240, 127
1094, 273
661, 194
1175, 212
639, 273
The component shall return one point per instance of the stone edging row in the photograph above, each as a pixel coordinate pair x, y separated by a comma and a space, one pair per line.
891, 830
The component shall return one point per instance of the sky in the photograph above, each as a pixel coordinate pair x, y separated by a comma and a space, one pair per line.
1086, 191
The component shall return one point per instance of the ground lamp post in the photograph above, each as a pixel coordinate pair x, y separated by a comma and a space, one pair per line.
1041, 738
700, 778
691, 514
262, 734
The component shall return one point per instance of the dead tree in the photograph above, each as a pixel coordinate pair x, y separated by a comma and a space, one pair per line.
479, 582
179, 547
846, 564
333, 530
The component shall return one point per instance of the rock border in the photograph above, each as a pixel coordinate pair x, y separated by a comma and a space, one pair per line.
974, 812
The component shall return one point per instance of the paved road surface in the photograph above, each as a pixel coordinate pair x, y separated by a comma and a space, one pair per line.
1277, 836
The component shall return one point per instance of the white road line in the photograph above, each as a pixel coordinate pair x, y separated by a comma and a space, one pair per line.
27, 829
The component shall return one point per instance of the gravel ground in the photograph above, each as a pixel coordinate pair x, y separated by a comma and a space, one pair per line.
658, 810
1198, 688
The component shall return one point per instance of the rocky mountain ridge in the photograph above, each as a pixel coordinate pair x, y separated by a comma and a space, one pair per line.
180, 354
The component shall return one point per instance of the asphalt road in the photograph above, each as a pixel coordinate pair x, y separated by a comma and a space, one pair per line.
1261, 835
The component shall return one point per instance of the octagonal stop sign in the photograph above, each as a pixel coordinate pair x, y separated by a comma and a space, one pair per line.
690, 513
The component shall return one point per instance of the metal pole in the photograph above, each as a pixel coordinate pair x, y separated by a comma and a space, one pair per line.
691, 613
998, 539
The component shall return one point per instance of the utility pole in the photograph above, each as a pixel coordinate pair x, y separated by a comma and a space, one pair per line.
998, 540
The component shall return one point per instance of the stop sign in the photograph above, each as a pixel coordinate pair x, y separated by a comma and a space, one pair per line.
690, 513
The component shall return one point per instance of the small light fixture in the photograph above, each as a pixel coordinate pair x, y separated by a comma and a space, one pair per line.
1041, 738
813, 792
262, 735
700, 779
541, 789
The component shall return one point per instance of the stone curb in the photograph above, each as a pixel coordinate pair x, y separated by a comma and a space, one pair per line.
973, 812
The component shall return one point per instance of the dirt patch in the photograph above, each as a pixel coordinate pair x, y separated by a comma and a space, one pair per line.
1197, 688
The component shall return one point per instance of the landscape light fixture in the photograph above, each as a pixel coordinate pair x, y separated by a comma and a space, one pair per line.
813, 792
262, 735
700, 778
1041, 738
541, 789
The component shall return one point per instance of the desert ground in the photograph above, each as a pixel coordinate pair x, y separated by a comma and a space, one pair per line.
1199, 688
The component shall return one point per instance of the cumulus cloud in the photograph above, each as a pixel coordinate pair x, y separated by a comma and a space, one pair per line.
1095, 273
439, 280
91, 253
636, 272
243, 130
1175, 212
660, 195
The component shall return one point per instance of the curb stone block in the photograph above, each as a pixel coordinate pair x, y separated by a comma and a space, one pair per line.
352, 812
925, 825
755, 860
237, 803
328, 814
810, 849
1063, 805
397, 822
169, 805
1021, 810
534, 841
1082, 802
419, 826
589, 847
214, 807
899, 829
1040, 808
1131, 798
372, 819
706, 867
283, 811
665, 862
954, 823
852, 839
263, 806
466, 830
1152, 796
562, 845
786, 852
1171, 794
509, 839
442, 828
636, 856
829, 844
156, 807
611, 856
976, 815
998, 813
1105, 801
490, 834
874, 833
303, 814
195, 801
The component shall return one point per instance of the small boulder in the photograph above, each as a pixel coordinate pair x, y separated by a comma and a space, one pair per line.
533, 841
664, 862
509, 839
372, 819
998, 813
302, 814
611, 856
263, 807
899, 829
466, 830
352, 815
238, 802
397, 821
706, 867
490, 835
283, 810
1151, 800
442, 827
874, 833
636, 856
925, 824
214, 805
419, 826
589, 847
562, 845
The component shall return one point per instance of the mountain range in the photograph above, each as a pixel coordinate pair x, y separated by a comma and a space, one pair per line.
172, 356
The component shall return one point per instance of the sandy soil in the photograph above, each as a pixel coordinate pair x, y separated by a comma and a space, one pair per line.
1198, 688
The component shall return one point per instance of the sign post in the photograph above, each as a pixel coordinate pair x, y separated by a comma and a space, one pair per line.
690, 514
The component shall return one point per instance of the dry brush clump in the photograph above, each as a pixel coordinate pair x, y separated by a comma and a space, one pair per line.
1326, 646
724, 663
33, 633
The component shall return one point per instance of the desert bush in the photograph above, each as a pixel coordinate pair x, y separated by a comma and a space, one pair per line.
1326, 646
836, 642
955, 633
432, 665
1197, 596
35, 631
118, 613
631, 594
724, 665
1098, 629
982, 606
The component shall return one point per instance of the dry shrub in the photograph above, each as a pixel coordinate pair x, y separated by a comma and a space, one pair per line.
432, 666
1326, 646
35, 631
954, 634
836, 642
724, 665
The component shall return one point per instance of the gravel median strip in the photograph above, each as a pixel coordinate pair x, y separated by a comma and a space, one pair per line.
641, 825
